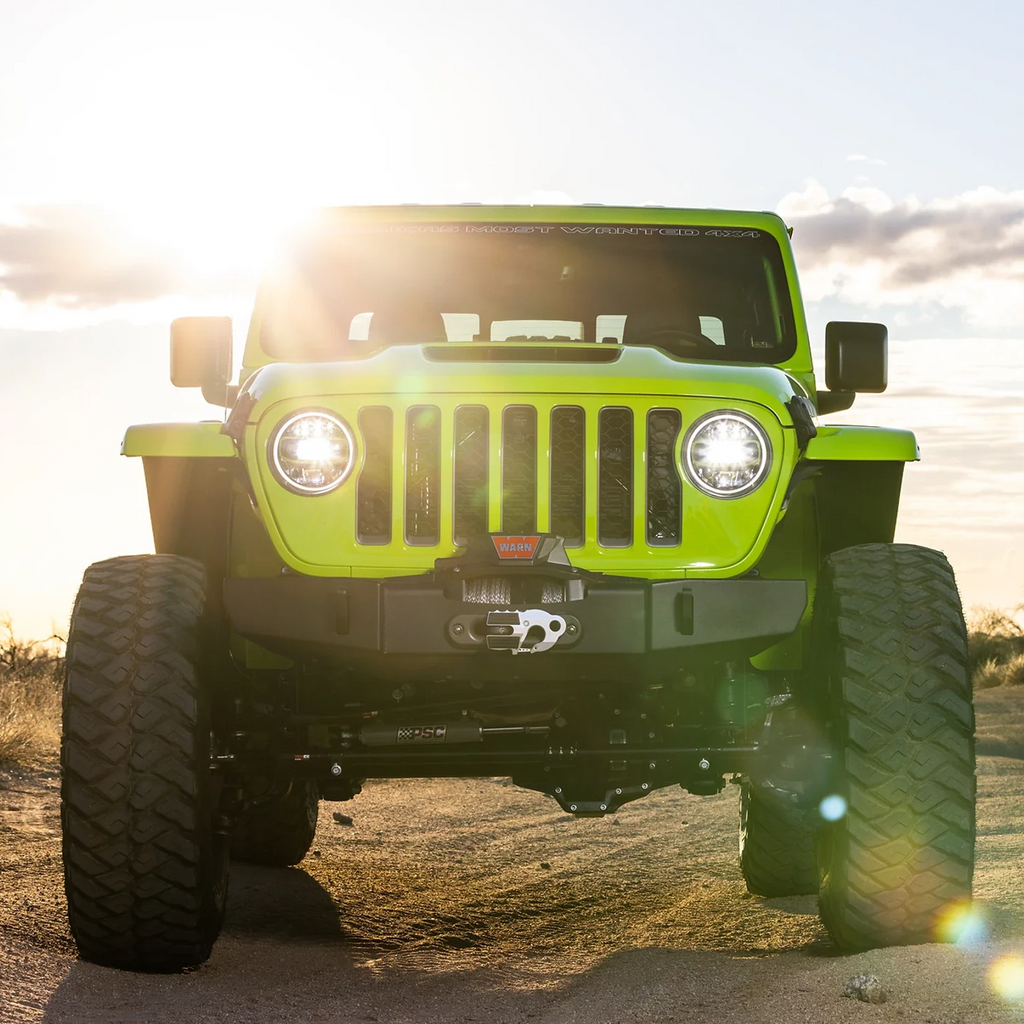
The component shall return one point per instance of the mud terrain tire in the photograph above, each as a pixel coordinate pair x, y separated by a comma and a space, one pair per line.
892, 647
145, 870
776, 848
280, 831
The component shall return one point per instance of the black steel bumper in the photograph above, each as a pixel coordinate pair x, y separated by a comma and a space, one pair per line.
423, 623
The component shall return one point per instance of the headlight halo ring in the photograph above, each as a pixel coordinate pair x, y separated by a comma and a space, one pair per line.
751, 424
274, 452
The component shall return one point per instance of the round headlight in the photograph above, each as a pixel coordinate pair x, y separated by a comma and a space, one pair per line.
726, 454
312, 452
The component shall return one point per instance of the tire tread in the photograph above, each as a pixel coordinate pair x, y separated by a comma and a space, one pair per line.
777, 855
144, 885
901, 709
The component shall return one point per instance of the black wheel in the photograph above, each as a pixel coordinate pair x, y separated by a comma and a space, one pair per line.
776, 847
145, 864
278, 831
892, 647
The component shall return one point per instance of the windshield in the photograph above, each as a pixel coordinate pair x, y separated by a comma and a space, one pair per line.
696, 292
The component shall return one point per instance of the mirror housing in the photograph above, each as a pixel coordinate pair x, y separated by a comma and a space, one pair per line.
201, 356
856, 356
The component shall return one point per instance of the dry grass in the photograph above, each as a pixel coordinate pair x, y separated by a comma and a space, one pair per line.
30, 685
996, 648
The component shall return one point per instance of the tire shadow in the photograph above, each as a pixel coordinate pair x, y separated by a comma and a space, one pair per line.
284, 903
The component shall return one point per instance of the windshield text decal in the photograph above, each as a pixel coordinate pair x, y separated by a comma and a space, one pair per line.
546, 229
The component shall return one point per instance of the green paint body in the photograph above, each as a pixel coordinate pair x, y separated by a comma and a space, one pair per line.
258, 527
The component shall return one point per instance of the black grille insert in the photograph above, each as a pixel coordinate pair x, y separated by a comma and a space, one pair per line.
423, 475
615, 478
519, 469
664, 488
373, 489
471, 476
568, 462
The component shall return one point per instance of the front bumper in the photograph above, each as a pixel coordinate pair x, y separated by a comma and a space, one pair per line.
422, 626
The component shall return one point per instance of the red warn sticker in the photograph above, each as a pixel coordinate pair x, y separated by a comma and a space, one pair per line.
515, 547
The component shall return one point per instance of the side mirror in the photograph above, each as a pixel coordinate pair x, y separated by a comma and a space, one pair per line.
201, 356
856, 356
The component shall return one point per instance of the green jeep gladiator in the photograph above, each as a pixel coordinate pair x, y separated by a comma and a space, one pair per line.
532, 492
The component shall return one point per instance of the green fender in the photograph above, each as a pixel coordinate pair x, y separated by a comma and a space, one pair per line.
181, 440
862, 444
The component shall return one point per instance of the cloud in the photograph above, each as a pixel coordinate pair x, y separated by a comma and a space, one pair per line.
861, 158
82, 258
963, 252
67, 265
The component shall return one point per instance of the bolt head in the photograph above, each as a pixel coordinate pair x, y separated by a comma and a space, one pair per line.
335, 769
604, 807
618, 792
558, 790
458, 629
652, 766
704, 764
572, 807
571, 629
643, 785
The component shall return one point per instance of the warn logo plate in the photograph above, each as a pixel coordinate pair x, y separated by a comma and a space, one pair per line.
515, 547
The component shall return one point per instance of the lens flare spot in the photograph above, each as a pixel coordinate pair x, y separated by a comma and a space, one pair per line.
1006, 978
963, 924
832, 808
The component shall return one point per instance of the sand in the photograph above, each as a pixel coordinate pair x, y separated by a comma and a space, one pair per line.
475, 901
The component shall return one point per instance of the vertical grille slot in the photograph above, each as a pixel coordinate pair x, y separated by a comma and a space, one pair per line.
519, 469
664, 488
615, 478
470, 472
568, 461
373, 489
423, 475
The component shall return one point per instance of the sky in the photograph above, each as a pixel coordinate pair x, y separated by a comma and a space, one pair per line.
150, 153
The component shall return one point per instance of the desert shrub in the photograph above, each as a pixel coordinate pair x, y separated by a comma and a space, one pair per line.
30, 695
995, 644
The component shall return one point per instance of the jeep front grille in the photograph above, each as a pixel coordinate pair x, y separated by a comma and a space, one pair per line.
471, 463
519, 469
373, 489
601, 476
664, 488
423, 475
568, 466
615, 478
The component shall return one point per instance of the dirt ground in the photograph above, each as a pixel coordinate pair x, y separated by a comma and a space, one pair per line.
476, 901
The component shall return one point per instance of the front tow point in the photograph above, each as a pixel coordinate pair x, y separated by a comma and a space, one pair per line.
528, 632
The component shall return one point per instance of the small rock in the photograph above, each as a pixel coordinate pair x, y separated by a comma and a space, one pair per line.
867, 988
342, 819
615, 821
317, 853
545, 865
